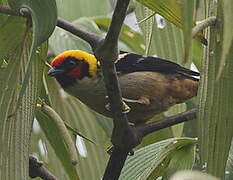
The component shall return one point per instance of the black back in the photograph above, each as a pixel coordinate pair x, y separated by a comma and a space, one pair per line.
134, 63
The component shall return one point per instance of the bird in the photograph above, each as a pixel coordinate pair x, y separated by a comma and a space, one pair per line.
149, 85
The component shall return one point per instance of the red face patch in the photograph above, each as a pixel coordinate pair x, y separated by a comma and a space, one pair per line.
58, 61
76, 72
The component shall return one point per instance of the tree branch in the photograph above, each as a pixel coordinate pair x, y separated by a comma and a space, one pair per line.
8, 10
107, 53
146, 129
36, 169
91, 38
115, 164
124, 137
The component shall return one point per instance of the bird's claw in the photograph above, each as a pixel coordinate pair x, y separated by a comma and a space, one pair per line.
125, 108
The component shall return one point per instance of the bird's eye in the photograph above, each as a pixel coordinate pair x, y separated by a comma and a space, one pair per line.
72, 62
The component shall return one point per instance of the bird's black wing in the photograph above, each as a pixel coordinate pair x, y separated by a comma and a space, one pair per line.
130, 62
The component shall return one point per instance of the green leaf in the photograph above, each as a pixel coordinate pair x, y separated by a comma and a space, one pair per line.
77, 133
187, 19
216, 101
226, 7
179, 13
73, 9
10, 41
131, 38
229, 166
16, 122
169, 9
44, 19
183, 158
151, 161
170, 38
11, 72
52, 134
167, 40
196, 53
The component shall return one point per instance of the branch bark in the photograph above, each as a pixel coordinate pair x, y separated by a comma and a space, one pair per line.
146, 129
36, 169
89, 37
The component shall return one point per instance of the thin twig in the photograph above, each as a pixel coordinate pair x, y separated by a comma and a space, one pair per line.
8, 10
210, 21
91, 38
36, 169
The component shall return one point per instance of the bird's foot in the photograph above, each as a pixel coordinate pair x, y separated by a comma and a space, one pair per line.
125, 108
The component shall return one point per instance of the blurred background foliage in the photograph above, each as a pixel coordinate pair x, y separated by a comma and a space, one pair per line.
160, 28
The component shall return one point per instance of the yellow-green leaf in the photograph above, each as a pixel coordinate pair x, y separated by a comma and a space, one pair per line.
226, 7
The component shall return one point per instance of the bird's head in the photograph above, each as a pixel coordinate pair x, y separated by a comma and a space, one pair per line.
75, 64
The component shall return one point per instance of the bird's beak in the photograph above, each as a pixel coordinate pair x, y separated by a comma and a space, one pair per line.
54, 71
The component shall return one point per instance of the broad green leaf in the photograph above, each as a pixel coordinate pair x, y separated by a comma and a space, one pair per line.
16, 123
196, 53
216, 101
166, 41
226, 7
150, 162
147, 26
128, 36
183, 158
73, 9
192, 175
169, 9
10, 41
178, 12
44, 19
41, 148
53, 135
11, 72
229, 166
187, 19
